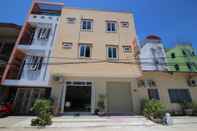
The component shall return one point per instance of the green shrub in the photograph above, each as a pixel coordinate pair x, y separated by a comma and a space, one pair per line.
42, 108
152, 109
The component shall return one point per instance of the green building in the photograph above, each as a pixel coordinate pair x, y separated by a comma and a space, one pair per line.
182, 58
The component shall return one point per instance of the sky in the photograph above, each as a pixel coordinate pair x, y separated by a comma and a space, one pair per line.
174, 21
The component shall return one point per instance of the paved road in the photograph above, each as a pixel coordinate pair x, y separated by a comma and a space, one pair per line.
102, 124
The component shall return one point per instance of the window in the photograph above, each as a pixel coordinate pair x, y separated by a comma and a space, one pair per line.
84, 50
111, 26
67, 45
71, 20
184, 53
124, 24
127, 49
189, 66
193, 53
86, 25
177, 68
153, 94
43, 33
34, 62
179, 95
173, 55
112, 52
151, 83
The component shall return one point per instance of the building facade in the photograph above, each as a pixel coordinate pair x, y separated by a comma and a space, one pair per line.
166, 83
152, 54
26, 75
95, 56
8, 35
182, 58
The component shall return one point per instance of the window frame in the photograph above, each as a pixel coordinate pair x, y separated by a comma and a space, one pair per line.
178, 97
153, 96
111, 27
112, 47
86, 25
84, 54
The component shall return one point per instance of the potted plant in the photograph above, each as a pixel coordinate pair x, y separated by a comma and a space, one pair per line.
101, 105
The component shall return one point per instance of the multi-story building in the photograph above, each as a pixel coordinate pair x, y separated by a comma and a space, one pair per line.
8, 36
182, 58
166, 83
27, 71
152, 54
94, 55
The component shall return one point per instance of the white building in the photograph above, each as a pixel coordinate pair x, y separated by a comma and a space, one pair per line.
152, 54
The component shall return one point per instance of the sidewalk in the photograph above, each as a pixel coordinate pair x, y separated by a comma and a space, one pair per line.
92, 121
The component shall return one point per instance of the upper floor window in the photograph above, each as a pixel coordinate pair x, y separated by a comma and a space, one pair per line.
111, 26
124, 24
193, 53
43, 33
86, 25
112, 52
177, 68
85, 50
189, 66
35, 62
127, 49
184, 53
173, 55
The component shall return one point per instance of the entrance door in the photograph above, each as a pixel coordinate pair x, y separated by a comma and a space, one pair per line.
119, 97
78, 98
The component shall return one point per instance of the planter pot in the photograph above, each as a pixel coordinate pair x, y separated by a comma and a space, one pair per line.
188, 112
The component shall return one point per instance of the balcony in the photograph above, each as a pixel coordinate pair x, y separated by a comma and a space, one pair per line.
43, 18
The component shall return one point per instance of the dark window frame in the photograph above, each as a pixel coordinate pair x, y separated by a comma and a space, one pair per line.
179, 95
153, 94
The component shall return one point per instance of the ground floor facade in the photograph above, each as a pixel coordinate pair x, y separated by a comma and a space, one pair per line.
169, 88
76, 94
119, 95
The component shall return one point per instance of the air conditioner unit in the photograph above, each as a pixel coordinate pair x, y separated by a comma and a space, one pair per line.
192, 82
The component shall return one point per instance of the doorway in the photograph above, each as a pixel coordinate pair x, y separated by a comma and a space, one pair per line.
78, 96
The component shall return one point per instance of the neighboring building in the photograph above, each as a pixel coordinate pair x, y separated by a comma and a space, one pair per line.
171, 88
26, 75
160, 80
152, 54
95, 56
182, 58
8, 35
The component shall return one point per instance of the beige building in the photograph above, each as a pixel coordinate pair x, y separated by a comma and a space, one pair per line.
94, 56
168, 87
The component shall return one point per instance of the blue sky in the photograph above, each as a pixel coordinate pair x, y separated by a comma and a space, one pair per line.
173, 20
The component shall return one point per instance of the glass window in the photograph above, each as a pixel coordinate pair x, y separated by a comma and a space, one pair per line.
153, 94
111, 26
86, 25
85, 50
112, 52
189, 66
179, 95
34, 62
177, 68
184, 53
43, 33
173, 55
